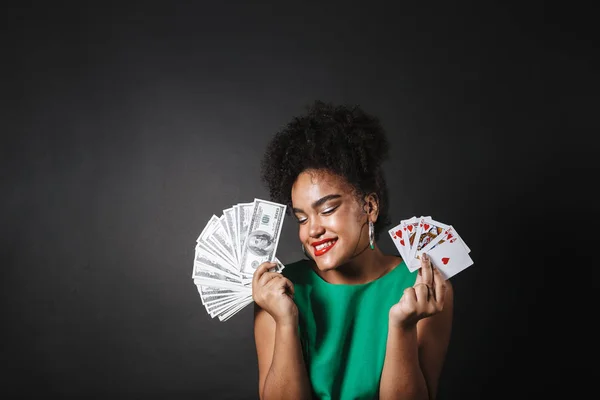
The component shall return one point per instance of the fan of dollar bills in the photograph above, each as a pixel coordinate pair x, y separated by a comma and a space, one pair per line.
228, 251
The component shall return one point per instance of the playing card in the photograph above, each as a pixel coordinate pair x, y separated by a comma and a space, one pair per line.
450, 257
447, 234
399, 239
429, 231
462, 241
409, 228
415, 236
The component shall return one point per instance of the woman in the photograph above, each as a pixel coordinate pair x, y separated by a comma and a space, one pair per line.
349, 322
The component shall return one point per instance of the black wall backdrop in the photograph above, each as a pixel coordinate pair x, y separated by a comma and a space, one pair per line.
126, 127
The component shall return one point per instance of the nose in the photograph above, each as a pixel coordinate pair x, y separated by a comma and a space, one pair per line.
315, 229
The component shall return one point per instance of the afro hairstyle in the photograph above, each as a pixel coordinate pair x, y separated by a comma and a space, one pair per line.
341, 139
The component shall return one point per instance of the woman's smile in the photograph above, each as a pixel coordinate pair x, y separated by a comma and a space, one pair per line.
323, 246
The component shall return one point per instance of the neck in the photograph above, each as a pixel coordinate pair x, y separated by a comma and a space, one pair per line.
367, 266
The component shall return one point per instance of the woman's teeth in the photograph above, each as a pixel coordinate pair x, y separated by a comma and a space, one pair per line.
324, 245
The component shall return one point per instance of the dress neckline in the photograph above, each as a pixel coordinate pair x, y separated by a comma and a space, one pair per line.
356, 285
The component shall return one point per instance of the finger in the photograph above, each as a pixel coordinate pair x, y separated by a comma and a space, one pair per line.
419, 276
409, 296
426, 271
422, 291
280, 284
268, 276
273, 283
289, 287
440, 286
262, 268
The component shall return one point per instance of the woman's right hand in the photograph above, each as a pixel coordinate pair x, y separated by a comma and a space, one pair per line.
424, 299
274, 293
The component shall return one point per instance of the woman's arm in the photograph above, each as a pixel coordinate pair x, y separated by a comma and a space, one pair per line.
281, 370
418, 337
415, 356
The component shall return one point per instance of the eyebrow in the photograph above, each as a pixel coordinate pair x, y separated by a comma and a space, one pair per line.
319, 202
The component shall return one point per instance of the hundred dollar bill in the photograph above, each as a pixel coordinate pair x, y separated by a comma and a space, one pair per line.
247, 277
203, 259
209, 292
229, 215
206, 299
204, 276
216, 306
212, 301
216, 309
224, 307
219, 238
204, 242
243, 216
213, 296
226, 314
263, 235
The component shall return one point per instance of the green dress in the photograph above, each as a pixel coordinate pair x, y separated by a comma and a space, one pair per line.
343, 329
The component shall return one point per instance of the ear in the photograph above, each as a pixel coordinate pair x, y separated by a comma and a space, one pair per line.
372, 206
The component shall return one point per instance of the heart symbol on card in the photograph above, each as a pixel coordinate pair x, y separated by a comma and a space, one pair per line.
402, 242
445, 260
399, 233
426, 226
410, 227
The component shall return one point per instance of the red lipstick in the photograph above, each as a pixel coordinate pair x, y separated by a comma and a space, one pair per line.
325, 246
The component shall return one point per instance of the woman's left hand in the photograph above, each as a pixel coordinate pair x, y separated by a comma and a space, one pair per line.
424, 299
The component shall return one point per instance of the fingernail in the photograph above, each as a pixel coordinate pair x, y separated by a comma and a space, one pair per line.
424, 255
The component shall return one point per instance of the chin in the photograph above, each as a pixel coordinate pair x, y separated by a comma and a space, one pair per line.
325, 266
327, 262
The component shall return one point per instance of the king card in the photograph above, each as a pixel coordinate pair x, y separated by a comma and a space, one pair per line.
429, 231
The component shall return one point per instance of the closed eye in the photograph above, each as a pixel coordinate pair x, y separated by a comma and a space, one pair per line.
329, 210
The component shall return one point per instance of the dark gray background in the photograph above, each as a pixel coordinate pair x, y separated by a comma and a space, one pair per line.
125, 127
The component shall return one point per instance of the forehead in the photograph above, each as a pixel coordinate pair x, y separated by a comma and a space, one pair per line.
311, 185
